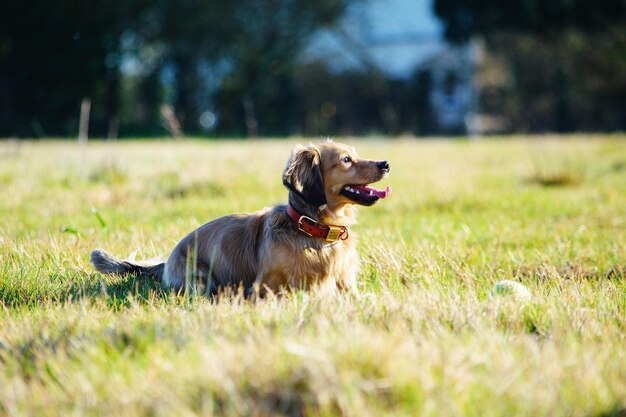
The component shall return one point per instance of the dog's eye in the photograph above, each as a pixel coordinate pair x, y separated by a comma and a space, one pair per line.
346, 160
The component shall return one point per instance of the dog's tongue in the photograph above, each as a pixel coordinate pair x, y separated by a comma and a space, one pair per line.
368, 189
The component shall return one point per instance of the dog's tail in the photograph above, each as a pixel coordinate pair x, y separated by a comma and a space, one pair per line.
109, 264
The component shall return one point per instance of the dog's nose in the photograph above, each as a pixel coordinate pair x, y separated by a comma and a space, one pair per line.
383, 166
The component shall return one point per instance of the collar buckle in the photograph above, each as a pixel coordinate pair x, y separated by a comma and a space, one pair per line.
334, 233
300, 224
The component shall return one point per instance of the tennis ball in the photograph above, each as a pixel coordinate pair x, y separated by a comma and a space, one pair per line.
512, 289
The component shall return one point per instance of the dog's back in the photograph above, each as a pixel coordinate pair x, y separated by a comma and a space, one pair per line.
227, 250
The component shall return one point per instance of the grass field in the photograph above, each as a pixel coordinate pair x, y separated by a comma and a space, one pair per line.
426, 337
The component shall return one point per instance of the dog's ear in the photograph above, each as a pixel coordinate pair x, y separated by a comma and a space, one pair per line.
303, 175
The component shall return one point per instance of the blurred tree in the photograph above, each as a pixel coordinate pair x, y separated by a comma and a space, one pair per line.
258, 95
564, 83
464, 18
54, 55
186, 35
353, 102
565, 60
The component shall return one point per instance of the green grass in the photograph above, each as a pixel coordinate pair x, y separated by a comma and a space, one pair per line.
426, 337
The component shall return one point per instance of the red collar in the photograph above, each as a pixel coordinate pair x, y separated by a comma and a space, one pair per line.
312, 228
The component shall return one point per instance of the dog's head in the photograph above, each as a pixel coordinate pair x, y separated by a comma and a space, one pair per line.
333, 174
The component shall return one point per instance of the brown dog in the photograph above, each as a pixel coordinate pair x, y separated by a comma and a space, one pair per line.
303, 244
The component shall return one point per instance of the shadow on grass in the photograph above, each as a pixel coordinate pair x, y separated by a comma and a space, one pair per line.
115, 292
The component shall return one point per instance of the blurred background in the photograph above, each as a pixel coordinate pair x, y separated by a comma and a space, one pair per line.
246, 68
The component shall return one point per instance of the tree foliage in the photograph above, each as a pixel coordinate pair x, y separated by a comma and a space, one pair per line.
464, 18
53, 55
565, 60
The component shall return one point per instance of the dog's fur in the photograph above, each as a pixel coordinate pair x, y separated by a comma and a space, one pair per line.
265, 251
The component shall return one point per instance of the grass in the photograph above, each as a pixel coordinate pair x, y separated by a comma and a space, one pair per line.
426, 338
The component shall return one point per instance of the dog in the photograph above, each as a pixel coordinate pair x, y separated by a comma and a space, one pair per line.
304, 244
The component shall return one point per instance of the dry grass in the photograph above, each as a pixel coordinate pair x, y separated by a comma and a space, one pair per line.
426, 337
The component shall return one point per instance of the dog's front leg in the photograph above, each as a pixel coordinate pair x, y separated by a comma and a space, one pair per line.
261, 287
272, 282
346, 280
348, 285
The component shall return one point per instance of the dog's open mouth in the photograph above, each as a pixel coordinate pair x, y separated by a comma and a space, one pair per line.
364, 194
